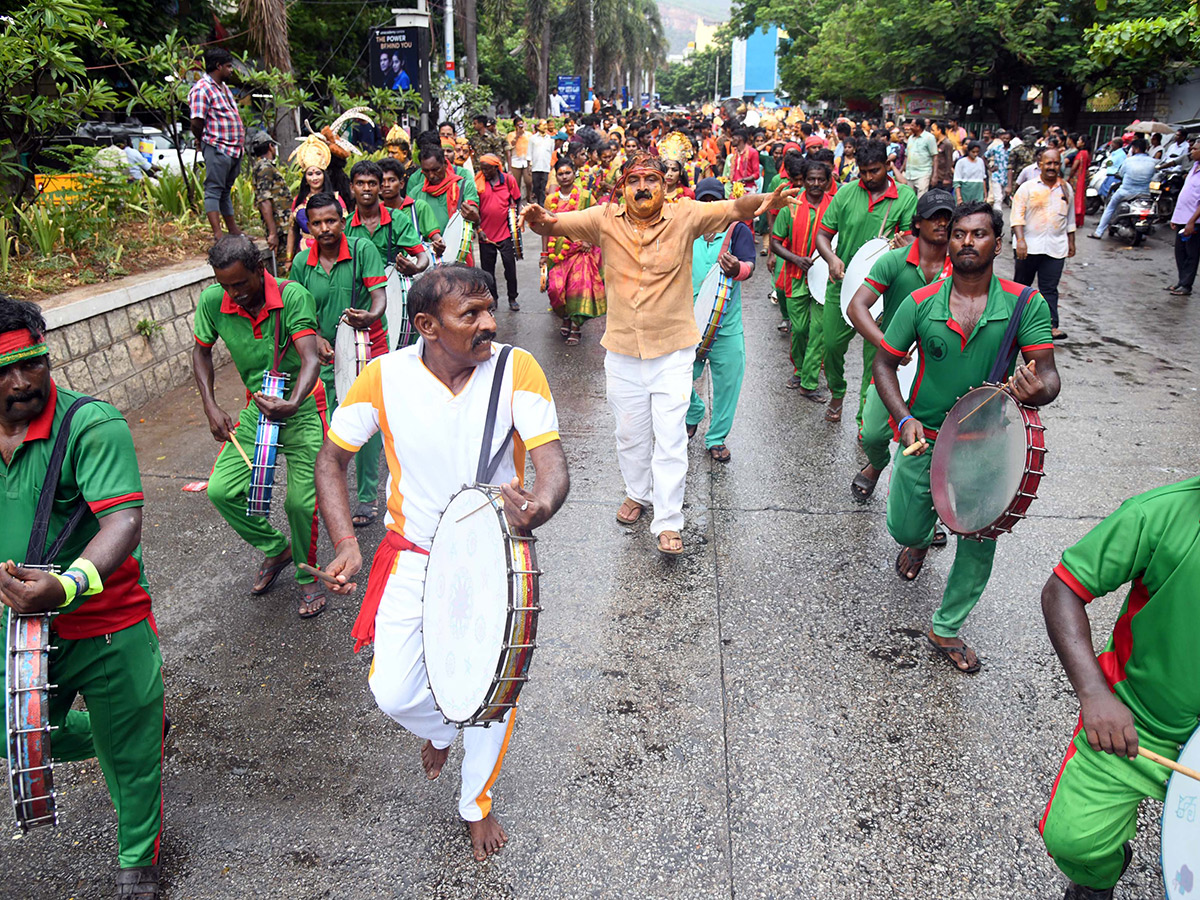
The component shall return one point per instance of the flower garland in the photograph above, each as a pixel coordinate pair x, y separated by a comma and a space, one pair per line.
557, 251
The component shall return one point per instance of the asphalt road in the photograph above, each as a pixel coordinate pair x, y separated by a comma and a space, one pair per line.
760, 719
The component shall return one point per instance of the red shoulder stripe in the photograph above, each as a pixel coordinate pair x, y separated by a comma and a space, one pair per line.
928, 291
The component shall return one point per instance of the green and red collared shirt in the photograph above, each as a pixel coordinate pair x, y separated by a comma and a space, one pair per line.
393, 234
1151, 542
422, 217
347, 285
951, 362
100, 468
896, 274
855, 218
251, 339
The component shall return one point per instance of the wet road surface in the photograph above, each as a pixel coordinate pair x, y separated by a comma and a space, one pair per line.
759, 719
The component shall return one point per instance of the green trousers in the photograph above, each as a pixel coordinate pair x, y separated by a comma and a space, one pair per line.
727, 367
837, 336
911, 519
1093, 808
808, 331
366, 460
875, 430
120, 678
299, 440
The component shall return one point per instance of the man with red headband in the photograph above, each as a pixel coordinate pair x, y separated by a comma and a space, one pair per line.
498, 193
105, 643
651, 333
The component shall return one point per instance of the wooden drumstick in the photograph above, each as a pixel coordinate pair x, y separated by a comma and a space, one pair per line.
233, 439
914, 447
319, 573
499, 500
1169, 763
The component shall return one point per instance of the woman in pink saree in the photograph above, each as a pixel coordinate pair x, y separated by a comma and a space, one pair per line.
575, 280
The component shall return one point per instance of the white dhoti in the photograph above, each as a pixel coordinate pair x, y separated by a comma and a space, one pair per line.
401, 688
649, 399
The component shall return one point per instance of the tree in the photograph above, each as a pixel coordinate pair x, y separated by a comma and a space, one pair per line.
266, 22
695, 80
44, 84
1168, 43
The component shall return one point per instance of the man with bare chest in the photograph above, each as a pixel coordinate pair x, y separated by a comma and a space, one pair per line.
959, 324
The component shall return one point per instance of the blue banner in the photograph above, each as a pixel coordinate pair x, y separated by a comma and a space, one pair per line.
570, 88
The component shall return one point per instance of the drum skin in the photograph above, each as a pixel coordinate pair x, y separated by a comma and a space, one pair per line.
458, 235
711, 302
351, 354
1181, 828
400, 328
480, 608
27, 712
266, 448
857, 272
818, 275
988, 459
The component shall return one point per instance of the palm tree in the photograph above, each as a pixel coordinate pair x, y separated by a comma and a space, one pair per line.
266, 25
537, 50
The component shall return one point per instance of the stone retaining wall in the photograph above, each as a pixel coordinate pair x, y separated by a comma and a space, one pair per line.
95, 346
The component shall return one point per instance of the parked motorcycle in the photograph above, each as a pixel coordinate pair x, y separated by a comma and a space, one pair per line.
1134, 219
1165, 190
1099, 189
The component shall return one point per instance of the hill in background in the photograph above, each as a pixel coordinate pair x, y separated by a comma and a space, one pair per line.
679, 19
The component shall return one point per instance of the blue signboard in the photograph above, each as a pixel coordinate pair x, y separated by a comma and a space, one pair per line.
570, 87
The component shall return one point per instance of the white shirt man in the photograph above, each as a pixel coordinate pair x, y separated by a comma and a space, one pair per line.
556, 103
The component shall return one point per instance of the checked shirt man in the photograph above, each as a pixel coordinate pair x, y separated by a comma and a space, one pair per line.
105, 642
266, 325
958, 324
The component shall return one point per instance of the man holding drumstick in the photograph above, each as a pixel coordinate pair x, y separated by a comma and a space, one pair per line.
1142, 692
651, 333
430, 403
959, 324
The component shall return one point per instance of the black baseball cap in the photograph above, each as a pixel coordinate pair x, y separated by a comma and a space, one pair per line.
934, 201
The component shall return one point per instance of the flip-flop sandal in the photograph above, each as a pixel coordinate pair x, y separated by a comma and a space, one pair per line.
720, 453
833, 415
814, 395
636, 511
691, 430
914, 565
565, 331
364, 511
1176, 292
665, 551
312, 594
940, 539
573, 337
960, 649
863, 487
271, 573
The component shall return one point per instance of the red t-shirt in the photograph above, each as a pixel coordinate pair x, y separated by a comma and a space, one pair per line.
494, 204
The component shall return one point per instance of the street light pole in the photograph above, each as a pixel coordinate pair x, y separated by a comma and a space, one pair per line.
448, 27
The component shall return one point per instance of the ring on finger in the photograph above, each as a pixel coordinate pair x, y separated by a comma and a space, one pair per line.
525, 506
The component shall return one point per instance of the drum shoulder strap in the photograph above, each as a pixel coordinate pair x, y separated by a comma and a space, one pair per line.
487, 462
280, 350
1008, 345
37, 553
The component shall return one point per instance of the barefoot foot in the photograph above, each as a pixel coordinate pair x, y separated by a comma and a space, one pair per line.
487, 837
432, 759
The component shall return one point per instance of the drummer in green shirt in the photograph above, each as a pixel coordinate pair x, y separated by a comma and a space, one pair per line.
346, 277
1142, 691
394, 236
265, 324
958, 324
875, 206
446, 189
895, 275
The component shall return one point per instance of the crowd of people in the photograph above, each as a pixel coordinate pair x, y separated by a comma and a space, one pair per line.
643, 215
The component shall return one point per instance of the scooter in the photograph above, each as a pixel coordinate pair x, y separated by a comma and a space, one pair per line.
1099, 189
1134, 219
1165, 190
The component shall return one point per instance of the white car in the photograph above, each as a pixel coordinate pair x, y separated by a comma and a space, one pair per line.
164, 155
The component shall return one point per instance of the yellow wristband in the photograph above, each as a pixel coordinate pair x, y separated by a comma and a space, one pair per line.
95, 584
70, 587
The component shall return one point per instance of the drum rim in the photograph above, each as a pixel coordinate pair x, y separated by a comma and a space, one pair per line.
1031, 420
15, 750
486, 705
1162, 824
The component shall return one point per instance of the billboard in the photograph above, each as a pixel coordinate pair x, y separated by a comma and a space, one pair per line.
569, 88
394, 57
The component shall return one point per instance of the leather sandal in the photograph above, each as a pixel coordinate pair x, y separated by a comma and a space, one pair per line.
630, 511
669, 551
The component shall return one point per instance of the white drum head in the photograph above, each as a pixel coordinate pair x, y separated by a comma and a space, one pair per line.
706, 298
857, 272
465, 604
1181, 828
452, 235
397, 289
345, 359
818, 275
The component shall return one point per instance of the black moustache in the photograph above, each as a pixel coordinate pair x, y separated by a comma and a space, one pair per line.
22, 398
486, 338
642, 195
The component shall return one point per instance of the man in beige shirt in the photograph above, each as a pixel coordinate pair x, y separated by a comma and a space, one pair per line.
651, 333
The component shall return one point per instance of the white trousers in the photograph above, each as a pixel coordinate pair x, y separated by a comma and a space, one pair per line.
401, 688
649, 400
